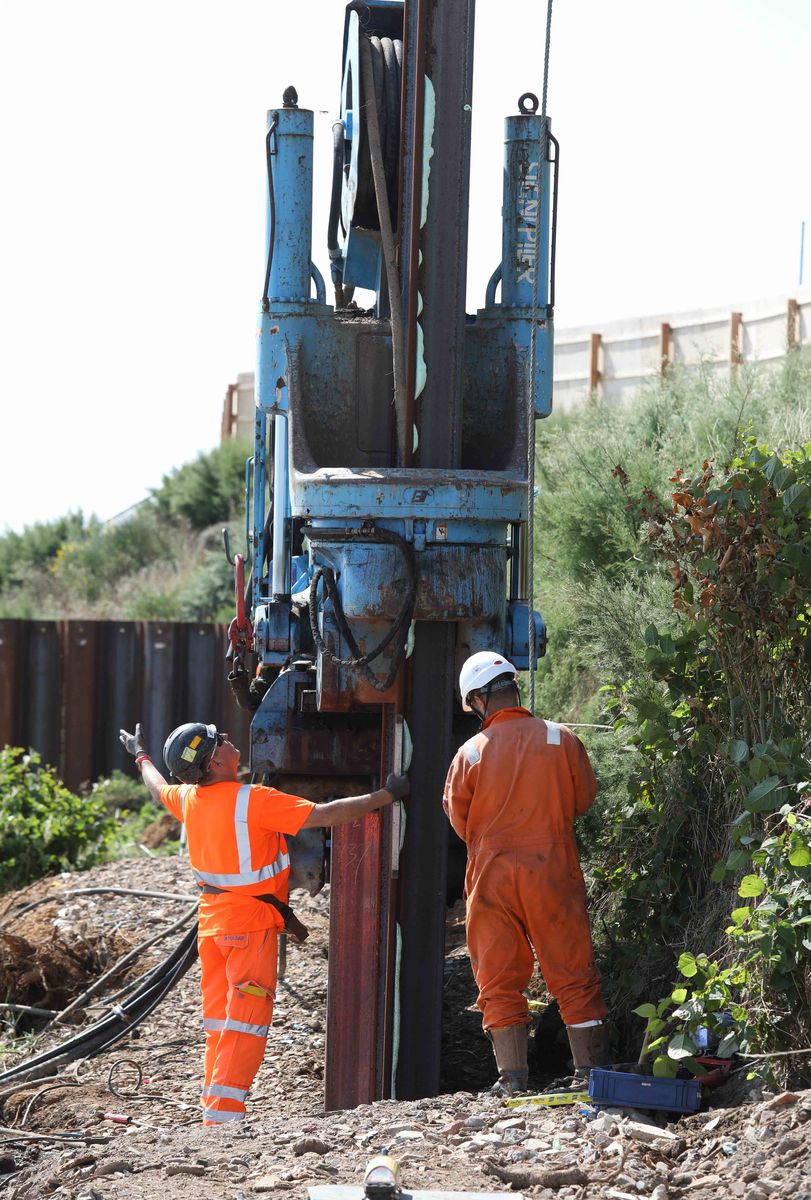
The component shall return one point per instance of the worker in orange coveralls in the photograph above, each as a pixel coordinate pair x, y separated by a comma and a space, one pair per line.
512, 794
239, 857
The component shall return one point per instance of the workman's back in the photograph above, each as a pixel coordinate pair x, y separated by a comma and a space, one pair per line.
236, 843
518, 782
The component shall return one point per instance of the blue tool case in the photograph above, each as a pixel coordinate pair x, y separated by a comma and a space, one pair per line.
644, 1091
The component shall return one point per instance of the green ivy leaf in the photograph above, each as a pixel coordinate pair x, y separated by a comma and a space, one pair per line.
800, 857
740, 915
795, 496
681, 1046
645, 1010
679, 995
751, 885
738, 751
728, 1046
687, 965
664, 1068
760, 798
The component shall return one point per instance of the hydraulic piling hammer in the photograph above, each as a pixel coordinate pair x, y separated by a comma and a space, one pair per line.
377, 566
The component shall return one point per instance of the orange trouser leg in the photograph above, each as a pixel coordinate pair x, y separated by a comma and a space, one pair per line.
214, 988
500, 955
536, 894
250, 971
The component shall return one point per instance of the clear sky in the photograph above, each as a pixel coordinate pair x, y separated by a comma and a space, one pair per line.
132, 196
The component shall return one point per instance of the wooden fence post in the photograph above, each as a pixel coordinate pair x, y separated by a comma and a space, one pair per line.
595, 374
735, 339
665, 347
793, 325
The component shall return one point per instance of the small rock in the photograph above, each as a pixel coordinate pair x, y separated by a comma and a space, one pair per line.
783, 1099
616, 1194
314, 1145
510, 1123
266, 1183
755, 1192
713, 1124
659, 1192
487, 1139
647, 1133
111, 1168
479, 1122
182, 1168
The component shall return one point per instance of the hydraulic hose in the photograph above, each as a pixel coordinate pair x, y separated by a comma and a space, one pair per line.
400, 626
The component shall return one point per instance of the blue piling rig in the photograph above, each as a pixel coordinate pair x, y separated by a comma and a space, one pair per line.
388, 509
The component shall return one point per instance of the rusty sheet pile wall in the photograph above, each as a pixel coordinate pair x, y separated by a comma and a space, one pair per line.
67, 687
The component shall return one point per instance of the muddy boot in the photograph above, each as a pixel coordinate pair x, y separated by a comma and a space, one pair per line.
510, 1049
589, 1048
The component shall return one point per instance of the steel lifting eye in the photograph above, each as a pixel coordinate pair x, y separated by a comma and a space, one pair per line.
528, 103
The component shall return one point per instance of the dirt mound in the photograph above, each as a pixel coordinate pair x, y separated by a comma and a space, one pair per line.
164, 828
49, 959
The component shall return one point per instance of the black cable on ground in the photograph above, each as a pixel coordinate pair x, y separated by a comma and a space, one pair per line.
154, 985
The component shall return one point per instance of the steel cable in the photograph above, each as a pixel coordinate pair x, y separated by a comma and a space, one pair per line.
543, 150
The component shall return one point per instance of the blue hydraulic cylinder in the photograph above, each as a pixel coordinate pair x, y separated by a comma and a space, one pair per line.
291, 164
525, 212
280, 570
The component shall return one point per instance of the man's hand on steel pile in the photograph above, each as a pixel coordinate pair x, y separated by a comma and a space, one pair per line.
398, 785
133, 743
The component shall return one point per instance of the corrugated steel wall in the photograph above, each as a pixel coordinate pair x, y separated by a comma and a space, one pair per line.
67, 687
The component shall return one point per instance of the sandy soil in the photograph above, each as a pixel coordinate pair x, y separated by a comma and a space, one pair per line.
747, 1144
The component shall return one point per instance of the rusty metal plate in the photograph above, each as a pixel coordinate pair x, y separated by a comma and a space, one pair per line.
41, 700
80, 643
12, 652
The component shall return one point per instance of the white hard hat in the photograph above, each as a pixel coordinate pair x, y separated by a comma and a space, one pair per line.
481, 669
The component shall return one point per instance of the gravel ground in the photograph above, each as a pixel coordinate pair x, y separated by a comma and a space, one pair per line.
748, 1144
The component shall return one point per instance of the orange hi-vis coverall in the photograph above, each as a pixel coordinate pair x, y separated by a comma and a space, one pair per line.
512, 794
236, 842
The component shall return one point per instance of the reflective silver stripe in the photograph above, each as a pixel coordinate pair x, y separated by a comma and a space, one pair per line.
245, 875
242, 879
471, 752
552, 734
222, 1114
242, 1027
184, 791
224, 1092
241, 829
212, 1023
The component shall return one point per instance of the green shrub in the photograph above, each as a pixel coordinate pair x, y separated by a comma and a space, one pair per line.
208, 490
43, 826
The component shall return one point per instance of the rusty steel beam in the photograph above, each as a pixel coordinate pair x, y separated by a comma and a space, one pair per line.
42, 690
79, 645
12, 655
438, 44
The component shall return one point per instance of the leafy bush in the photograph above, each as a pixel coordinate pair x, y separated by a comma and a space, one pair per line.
663, 846
43, 826
206, 491
733, 711
36, 545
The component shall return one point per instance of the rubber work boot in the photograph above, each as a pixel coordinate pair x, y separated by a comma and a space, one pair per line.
589, 1048
510, 1049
